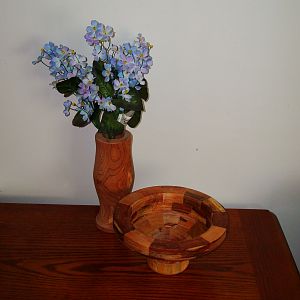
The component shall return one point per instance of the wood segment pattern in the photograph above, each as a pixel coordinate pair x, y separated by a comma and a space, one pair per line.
170, 225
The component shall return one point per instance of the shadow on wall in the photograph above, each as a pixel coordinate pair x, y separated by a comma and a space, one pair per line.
284, 201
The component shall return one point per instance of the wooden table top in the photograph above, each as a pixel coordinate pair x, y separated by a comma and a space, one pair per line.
56, 252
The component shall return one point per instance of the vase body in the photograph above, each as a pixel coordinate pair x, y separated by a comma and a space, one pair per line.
113, 175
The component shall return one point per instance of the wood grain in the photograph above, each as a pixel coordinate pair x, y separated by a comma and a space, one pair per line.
170, 225
113, 175
56, 252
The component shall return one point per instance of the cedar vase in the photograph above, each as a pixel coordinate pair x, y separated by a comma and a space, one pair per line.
113, 175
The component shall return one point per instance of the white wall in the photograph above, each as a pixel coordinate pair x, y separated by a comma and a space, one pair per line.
223, 116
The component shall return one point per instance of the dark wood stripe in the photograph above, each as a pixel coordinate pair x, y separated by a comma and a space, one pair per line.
194, 195
205, 210
164, 247
194, 204
197, 229
181, 207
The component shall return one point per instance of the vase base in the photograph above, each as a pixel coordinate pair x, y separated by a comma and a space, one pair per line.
108, 228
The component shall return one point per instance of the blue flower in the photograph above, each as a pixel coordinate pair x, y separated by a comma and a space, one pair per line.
97, 33
141, 53
66, 113
106, 104
94, 89
100, 52
105, 33
55, 64
84, 91
107, 72
67, 105
87, 90
88, 107
140, 40
88, 79
50, 49
124, 94
128, 49
126, 62
113, 62
121, 84
93, 32
63, 62
124, 67
85, 109
85, 116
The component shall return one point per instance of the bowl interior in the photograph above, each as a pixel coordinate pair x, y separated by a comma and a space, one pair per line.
172, 223
163, 216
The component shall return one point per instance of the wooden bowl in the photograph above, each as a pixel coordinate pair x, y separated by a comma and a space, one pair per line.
170, 225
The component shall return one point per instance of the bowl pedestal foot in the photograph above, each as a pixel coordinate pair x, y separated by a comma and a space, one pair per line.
167, 267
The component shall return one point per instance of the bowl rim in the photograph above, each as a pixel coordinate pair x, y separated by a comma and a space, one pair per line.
177, 250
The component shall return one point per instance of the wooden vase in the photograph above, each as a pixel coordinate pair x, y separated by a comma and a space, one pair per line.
113, 175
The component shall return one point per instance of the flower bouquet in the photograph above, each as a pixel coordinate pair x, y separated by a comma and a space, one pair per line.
110, 93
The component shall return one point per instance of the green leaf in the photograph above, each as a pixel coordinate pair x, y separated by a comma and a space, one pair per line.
78, 121
135, 119
105, 88
98, 67
136, 102
68, 94
121, 103
109, 126
95, 117
69, 86
144, 91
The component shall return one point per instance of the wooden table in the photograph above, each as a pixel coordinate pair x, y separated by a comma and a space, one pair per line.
56, 252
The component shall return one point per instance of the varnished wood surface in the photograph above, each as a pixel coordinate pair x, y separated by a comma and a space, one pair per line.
56, 252
113, 175
170, 225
